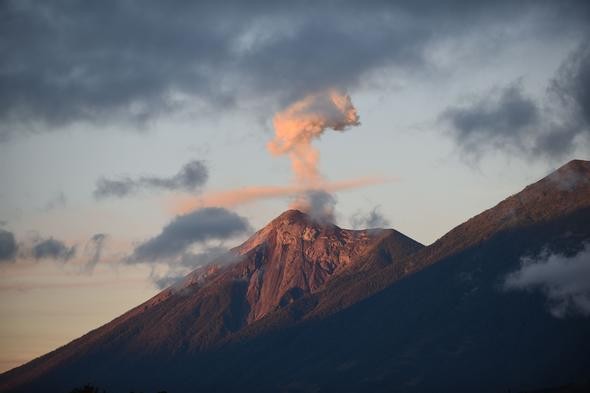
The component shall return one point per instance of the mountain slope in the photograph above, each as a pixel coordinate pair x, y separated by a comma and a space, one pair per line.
293, 256
561, 193
449, 327
373, 312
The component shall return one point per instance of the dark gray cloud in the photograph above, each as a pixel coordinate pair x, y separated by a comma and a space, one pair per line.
67, 61
372, 219
212, 223
8, 246
564, 280
509, 121
569, 93
53, 249
502, 119
93, 249
193, 175
572, 83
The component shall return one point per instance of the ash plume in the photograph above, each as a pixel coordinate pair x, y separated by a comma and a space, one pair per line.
296, 128
299, 124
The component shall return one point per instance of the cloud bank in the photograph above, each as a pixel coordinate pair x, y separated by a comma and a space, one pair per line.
191, 176
564, 280
211, 223
61, 66
503, 120
506, 119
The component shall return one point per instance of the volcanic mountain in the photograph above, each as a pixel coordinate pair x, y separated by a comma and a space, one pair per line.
306, 306
293, 256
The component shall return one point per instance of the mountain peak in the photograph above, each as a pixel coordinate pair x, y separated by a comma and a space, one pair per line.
295, 254
570, 176
290, 216
577, 165
295, 216
291, 222
563, 191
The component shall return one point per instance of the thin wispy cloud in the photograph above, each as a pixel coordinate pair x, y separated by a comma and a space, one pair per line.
58, 201
245, 195
94, 249
190, 178
187, 263
372, 219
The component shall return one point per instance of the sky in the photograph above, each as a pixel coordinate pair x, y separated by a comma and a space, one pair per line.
139, 140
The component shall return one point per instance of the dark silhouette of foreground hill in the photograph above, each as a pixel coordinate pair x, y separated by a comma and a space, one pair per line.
394, 317
94, 389
574, 388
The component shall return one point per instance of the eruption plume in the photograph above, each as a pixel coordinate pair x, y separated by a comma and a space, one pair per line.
305, 120
295, 129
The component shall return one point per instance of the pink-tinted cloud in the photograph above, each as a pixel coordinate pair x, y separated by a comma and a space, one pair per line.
244, 195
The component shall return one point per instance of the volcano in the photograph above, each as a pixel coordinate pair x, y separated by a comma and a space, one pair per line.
307, 306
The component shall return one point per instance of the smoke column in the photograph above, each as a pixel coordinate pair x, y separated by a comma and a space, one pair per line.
296, 127
302, 122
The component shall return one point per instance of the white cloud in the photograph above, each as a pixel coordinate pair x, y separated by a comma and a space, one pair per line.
564, 280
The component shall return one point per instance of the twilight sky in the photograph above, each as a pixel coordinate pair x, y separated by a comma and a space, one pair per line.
140, 139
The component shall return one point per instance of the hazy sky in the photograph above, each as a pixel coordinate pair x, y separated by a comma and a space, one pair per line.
134, 136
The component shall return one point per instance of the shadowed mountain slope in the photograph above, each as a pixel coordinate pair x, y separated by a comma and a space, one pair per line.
373, 311
559, 194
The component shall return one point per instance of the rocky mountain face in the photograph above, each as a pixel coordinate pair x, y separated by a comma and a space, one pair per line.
292, 257
303, 306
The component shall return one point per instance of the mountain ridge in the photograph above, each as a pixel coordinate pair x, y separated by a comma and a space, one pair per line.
566, 189
386, 262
